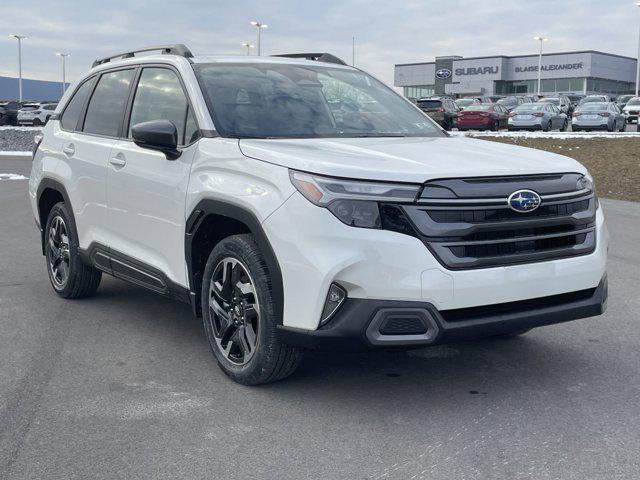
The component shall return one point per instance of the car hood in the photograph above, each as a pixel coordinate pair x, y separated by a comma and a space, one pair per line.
407, 159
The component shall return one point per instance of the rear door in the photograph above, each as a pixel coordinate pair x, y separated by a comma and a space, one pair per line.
87, 150
146, 191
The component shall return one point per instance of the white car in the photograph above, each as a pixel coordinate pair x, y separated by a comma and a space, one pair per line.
36, 113
632, 109
228, 183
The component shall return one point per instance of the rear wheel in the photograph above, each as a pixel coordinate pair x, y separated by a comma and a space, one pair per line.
238, 314
548, 126
37, 122
70, 278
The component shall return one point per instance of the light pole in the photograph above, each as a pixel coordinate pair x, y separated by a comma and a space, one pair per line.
259, 26
19, 38
248, 46
541, 40
638, 62
64, 70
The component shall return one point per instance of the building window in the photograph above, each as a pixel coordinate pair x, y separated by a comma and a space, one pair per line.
547, 85
419, 91
609, 86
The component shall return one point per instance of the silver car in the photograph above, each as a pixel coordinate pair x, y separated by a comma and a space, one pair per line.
598, 116
632, 110
537, 116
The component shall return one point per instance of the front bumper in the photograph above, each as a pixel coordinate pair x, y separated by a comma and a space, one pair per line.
364, 324
384, 265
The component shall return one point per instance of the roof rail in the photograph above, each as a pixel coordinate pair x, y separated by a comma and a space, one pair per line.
177, 49
316, 57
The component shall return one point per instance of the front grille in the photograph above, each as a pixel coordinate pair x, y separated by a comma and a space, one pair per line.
470, 224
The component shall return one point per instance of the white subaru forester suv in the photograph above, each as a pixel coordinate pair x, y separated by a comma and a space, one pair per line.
296, 202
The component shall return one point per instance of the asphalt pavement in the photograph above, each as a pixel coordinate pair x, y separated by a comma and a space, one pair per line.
123, 386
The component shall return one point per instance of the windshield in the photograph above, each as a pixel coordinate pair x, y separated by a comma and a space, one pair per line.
555, 101
299, 101
593, 106
465, 102
508, 101
634, 101
530, 107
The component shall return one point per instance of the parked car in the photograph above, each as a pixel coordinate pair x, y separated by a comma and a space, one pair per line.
510, 102
575, 99
463, 103
484, 116
10, 112
36, 114
598, 116
595, 98
442, 110
622, 100
538, 116
227, 183
495, 98
632, 109
527, 99
560, 101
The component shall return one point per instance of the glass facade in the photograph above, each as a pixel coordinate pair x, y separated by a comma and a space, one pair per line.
547, 85
419, 91
609, 86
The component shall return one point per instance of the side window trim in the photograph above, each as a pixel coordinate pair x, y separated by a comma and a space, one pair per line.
83, 114
132, 96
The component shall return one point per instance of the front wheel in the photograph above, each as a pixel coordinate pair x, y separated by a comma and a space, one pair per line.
238, 314
37, 122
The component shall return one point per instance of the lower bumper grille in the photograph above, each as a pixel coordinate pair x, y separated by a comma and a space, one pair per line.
468, 229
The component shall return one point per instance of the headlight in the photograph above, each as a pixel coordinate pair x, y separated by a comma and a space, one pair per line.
586, 182
353, 202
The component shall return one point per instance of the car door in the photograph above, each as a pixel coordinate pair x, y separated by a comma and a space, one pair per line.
82, 141
146, 191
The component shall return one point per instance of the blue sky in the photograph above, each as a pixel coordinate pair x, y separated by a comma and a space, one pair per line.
387, 32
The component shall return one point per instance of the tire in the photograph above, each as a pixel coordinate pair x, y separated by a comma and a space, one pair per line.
37, 122
69, 277
611, 128
547, 127
495, 127
564, 126
240, 321
46, 120
446, 125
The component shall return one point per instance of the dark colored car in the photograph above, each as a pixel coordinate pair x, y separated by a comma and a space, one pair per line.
442, 110
486, 116
10, 112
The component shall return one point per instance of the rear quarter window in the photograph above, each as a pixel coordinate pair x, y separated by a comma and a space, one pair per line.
72, 111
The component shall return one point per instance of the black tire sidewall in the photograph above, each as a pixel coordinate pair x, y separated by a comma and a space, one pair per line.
60, 209
243, 248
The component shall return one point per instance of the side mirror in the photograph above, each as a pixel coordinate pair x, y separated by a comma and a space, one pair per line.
161, 135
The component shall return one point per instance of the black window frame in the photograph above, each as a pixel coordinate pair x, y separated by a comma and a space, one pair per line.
91, 78
138, 67
80, 127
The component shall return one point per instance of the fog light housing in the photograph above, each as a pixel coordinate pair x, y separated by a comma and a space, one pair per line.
335, 298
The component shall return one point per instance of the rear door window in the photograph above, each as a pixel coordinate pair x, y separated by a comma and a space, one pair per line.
73, 109
108, 102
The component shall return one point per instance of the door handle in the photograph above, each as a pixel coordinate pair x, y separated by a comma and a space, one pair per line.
118, 160
69, 150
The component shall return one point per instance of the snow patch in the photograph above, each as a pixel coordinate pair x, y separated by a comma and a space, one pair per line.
12, 176
554, 135
15, 154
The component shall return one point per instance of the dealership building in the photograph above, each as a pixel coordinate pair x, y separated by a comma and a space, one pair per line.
582, 72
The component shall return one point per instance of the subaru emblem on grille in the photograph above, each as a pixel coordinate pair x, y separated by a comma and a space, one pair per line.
524, 201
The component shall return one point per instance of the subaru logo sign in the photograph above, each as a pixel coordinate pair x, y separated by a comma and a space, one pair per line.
524, 201
443, 73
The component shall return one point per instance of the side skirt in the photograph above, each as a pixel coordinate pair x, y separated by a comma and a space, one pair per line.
132, 270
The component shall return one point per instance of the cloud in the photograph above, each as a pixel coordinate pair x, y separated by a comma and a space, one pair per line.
386, 32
